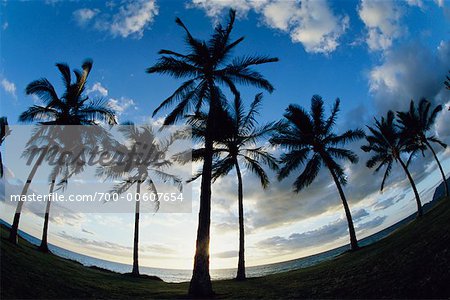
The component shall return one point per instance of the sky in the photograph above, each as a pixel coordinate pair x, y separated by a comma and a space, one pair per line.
373, 55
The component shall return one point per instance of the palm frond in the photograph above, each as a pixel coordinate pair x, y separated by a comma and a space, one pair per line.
309, 173
262, 155
45, 91
250, 118
179, 93
222, 167
343, 154
438, 141
247, 77
317, 111
174, 67
331, 121
97, 110
39, 114
65, 74
255, 167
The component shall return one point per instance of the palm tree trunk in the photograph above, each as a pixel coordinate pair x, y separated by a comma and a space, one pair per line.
241, 262
348, 215
1, 165
13, 237
200, 284
413, 185
44, 246
440, 168
135, 271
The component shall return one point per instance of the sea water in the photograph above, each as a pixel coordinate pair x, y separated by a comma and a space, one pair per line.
174, 275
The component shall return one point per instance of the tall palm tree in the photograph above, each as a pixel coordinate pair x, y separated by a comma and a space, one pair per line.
146, 168
414, 125
386, 143
206, 65
238, 143
309, 139
72, 108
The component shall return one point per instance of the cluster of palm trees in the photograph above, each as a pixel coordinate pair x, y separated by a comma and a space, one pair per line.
74, 108
231, 138
389, 140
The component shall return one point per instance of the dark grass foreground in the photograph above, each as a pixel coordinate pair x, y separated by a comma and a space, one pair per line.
413, 262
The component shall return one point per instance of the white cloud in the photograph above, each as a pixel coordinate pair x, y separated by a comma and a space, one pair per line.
133, 18
317, 28
5, 25
9, 87
278, 14
440, 3
52, 2
214, 8
382, 20
383, 204
98, 88
129, 19
84, 15
323, 235
226, 254
411, 71
121, 105
309, 22
151, 250
418, 3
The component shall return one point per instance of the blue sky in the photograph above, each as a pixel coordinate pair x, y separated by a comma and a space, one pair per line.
373, 55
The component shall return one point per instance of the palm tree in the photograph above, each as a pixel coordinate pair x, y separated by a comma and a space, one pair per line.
206, 66
309, 139
388, 146
414, 125
145, 168
238, 142
72, 108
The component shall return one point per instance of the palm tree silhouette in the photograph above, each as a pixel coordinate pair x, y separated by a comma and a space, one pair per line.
145, 168
309, 139
238, 142
72, 108
414, 125
205, 66
387, 145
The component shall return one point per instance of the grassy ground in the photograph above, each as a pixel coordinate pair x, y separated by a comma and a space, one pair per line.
413, 262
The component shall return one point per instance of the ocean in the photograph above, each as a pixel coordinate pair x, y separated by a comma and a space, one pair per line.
173, 275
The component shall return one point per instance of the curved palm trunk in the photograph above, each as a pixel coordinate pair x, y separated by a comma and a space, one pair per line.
135, 271
440, 169
241, 262
413, 185
1, 165
348, 215
200, 284
44, 246
13, 237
